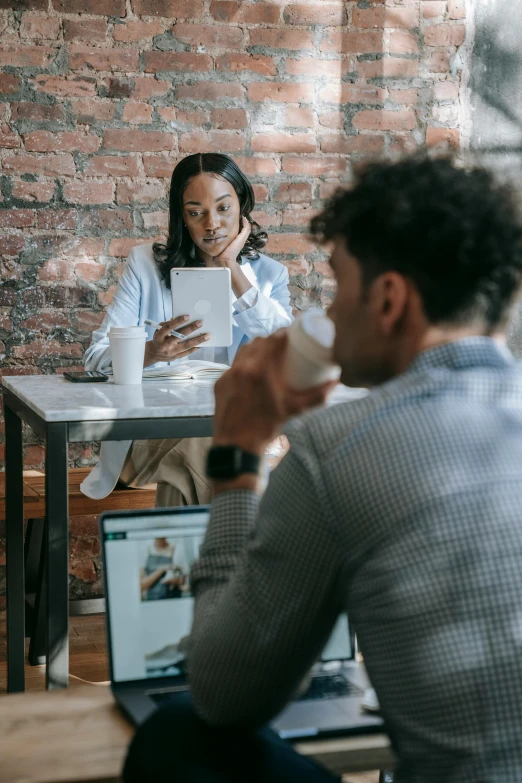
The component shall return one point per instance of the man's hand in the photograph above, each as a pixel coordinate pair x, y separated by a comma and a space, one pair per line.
253, 398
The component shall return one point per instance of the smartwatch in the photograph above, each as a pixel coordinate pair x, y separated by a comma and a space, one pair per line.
229, 462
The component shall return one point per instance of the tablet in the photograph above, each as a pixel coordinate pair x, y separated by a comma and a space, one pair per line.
204, 293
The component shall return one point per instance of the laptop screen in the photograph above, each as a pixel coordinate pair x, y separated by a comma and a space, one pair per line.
148, 556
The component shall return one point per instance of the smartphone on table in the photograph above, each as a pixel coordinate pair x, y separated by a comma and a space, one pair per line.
204, 294
88, 376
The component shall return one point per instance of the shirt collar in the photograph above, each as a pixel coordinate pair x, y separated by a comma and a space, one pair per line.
464, 353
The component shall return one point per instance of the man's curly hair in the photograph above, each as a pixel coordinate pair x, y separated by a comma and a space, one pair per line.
454, 231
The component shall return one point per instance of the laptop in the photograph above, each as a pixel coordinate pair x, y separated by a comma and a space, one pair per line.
147, 560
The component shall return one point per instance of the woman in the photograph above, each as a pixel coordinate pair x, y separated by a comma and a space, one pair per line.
209, 225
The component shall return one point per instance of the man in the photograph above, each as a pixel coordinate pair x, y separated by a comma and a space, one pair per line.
402, 508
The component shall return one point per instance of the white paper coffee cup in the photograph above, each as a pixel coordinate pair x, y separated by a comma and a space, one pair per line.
127, 352
309, 358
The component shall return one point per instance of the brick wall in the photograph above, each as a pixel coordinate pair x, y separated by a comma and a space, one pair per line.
95, 110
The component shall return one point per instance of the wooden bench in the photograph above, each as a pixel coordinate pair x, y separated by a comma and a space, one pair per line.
121, 498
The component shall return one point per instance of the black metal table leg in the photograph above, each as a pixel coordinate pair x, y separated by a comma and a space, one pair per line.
14, 524
57, 556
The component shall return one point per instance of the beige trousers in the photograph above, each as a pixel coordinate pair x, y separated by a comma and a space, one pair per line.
176, 465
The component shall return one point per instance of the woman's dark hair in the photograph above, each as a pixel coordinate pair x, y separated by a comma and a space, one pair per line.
454, 231
179, 248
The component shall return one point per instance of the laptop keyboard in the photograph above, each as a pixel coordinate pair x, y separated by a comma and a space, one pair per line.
329, 686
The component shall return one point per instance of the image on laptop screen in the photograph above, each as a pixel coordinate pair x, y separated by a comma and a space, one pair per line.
148, 560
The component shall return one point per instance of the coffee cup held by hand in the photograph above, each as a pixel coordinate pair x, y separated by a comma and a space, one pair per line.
127, 352
309, 359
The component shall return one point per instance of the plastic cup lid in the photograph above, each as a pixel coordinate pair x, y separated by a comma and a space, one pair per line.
316, 324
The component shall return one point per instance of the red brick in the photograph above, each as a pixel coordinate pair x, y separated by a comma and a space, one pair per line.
385, 17
209, 91
315, 167
323, 13
212, 141
233, 61
260, 192
140, 192
106, 297
299, 118
265, 219
289, 244
312, 67
158, 219
211, 36
456, 9
40, 348
298, 215
84, 527
444, 34
9, 139
159, 165
89, 192
284, 142
404, 119
37, 112
284, 92
67, 86
112, 166
245, 12
46, 321
33, 456
177, 61
91, 110
445, 91
403, 43
345, 145
229, 118
103, 59
282, 39
11, 244
46, 165
297, 266
120, 248
404, 97
67, 141
137, 113
94, 7
85, 29
137, 31
16, 218
294, 192
33, 191
438, 62
90, 271
56, 269
447, 137
331, 119
174, 9
61, 219
256, 167
10, 270
352, 93
390, 67
86, 322
433, 8
327, 189
27, 56
149, 87
107, 220
39, 27
167, 113
365, 42
9, 84
138, 141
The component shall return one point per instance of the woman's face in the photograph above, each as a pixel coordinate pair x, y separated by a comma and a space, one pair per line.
211, 213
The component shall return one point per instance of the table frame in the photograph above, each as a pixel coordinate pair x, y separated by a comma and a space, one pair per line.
52, 615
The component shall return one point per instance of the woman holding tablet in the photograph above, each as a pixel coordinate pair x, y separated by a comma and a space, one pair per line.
209, 225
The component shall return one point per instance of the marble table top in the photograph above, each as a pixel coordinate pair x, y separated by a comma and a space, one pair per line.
53, 398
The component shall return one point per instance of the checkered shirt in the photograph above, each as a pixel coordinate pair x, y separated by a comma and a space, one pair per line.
403, 508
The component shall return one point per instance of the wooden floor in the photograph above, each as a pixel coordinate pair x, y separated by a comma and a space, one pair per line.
88, 662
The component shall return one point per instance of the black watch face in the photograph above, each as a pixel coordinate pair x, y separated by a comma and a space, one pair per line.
224, 462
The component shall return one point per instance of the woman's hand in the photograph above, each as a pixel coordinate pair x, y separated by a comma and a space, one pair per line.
228, 257
164, 347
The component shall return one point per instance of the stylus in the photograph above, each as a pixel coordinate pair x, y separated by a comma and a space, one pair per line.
158, 326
